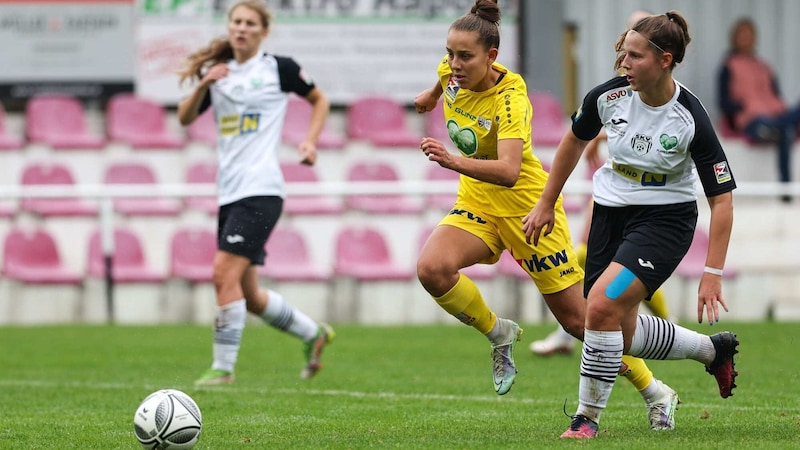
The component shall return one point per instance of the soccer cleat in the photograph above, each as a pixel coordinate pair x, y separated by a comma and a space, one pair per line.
504, 371
662, 409
313, 350
722, 367
557, 342
214, 377
581, 427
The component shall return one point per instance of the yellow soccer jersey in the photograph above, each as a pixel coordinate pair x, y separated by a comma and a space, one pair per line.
475, 123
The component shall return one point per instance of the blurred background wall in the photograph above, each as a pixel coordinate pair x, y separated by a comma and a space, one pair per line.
594, 25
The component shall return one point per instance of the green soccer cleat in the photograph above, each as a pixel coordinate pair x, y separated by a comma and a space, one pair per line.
214, 377
313, 350
504, 371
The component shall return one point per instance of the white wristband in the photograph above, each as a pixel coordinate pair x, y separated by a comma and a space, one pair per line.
713, 271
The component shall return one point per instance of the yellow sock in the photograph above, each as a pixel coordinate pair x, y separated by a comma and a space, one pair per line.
466, 304
658, 304
637, 372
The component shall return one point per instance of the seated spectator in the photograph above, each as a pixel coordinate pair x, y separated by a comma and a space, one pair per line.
750, 98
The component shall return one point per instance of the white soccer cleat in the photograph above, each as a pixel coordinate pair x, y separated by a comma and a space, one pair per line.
557, 342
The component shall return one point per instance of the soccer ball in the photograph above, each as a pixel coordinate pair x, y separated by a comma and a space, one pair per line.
168, 418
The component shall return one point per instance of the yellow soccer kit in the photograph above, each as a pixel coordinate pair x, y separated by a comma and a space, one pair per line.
476, 121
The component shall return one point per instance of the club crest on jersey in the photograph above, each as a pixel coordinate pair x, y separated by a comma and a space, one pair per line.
641, 144
452, 90
722, 172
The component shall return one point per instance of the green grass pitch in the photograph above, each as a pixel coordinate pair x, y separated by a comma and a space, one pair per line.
426, 387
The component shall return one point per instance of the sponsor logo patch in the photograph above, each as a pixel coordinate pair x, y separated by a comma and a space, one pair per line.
722, 172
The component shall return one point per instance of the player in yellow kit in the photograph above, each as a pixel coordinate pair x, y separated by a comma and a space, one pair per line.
488, 117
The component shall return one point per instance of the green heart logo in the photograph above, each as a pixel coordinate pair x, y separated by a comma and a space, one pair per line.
464, 138
668, 142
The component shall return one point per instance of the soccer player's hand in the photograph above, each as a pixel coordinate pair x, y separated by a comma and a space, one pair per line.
215, 73
425, 101
709, 297
538, 223
308, 153
436, 152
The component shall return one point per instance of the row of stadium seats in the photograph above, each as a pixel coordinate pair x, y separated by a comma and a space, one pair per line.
32, 267
60, 122
361, 252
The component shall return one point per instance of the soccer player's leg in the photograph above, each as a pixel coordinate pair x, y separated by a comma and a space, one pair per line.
459, 241
661, 400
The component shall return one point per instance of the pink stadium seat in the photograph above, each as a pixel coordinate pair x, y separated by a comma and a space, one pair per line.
442, 201
202, 172
573, 204
381, 121
475, 271
295, 126
60, 122
140, 123
142, 174
435, 126
8, 141
7, 210
300, 173
378, 203
289, 258
203, 129
128, 262
508, 266
549, 121
363, 254
192, 253
32, 257
37, 174
694, 262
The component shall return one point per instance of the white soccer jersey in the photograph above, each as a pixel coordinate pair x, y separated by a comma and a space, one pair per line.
249, 108
652, 150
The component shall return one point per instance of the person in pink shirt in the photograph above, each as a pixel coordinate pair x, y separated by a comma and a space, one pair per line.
750, 98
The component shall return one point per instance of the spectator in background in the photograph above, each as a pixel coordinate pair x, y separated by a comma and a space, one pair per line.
750, 97
249, 91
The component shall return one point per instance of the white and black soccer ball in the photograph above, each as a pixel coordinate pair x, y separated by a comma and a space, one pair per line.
169, 419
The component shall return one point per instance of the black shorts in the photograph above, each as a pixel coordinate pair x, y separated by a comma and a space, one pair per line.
245, 225
649, 240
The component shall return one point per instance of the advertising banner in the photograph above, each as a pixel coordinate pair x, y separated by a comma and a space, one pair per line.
351, 48
81, 47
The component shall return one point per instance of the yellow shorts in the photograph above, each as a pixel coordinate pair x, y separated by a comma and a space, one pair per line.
552, 264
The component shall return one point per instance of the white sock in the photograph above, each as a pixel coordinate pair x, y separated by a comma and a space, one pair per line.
228, 327
652, 390
563, 336
600, 361
656, 338
494, 333
285, 317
